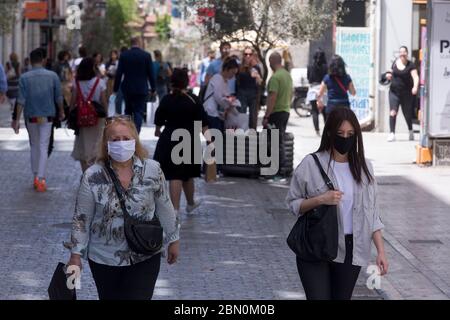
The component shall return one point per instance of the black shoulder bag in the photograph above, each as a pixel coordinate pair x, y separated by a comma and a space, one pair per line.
143, 237
314, 236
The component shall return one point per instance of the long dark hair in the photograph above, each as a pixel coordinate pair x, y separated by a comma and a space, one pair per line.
337, 66
319, 59
85, 70
356, 159
179, 80
229, 64
110, 55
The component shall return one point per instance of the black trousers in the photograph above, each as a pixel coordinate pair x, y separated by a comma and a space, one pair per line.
315, 114
134, 282
406, 100
329, 280
279, 120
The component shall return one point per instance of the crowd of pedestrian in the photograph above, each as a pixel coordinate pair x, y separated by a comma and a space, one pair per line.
123, 190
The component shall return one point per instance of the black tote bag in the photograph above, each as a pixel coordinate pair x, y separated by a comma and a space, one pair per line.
58, 289
314, 236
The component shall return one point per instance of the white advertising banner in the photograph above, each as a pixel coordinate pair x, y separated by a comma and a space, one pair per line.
354, 46
439, 81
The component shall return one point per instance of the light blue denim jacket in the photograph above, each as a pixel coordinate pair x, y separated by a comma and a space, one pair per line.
97, 228
307, 182
39, 91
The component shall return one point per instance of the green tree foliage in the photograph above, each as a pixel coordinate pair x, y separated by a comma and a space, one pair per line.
8, 10
101, 34
119, 13
265, 24
162, 27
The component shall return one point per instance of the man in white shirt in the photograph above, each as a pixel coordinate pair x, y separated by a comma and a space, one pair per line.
82, 53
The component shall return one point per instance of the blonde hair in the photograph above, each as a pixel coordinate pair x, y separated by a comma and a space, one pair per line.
140, 152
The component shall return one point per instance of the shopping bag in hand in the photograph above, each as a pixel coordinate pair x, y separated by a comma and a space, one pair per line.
58, 289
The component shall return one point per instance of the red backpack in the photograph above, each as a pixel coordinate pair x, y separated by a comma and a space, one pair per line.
86, 114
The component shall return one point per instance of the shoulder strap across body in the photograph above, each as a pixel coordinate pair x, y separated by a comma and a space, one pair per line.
118, 187
322, 172
340, 84
91, 93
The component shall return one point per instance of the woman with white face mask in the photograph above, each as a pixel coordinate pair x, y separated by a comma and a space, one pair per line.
98, 224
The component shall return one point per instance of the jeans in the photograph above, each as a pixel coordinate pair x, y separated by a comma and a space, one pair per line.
279, 120
325, 280
135, 106
161, 91
39, 134
134, 282
248, 100
406, 100
315, 114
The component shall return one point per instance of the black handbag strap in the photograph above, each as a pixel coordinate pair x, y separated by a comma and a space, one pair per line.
119, 191
210, 95
118, 187
322, 172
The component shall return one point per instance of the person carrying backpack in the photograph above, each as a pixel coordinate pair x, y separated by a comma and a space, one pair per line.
88, 96
163, 74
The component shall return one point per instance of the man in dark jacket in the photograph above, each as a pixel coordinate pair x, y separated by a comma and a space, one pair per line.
136, 68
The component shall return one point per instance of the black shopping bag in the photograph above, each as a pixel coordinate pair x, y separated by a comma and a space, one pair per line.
58, 289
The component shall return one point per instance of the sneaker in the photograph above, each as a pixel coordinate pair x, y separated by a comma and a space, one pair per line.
391, 137
192, 207
277, 179
36, 182
41, 186
178, 218
411, 135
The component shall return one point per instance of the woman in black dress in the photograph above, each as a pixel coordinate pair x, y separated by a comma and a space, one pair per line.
180, 110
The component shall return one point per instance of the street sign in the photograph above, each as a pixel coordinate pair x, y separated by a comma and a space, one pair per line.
36, 10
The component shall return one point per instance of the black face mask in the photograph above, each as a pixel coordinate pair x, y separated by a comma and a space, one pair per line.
343, 145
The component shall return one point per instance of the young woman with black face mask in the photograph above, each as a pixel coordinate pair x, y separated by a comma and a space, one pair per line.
341, 154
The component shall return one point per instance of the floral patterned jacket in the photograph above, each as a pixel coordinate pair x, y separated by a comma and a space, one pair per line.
97, 227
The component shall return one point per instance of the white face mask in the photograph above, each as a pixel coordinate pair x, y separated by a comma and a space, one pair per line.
121, 151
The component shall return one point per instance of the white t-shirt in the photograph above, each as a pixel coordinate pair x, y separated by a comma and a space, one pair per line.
76, 63
346, 183
86, 87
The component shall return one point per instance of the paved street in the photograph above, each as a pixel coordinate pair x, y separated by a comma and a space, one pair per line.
234, 248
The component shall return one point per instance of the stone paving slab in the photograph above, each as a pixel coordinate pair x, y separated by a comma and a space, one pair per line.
221, 248
234, 248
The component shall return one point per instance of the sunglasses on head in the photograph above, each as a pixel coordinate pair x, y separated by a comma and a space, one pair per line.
123, 117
